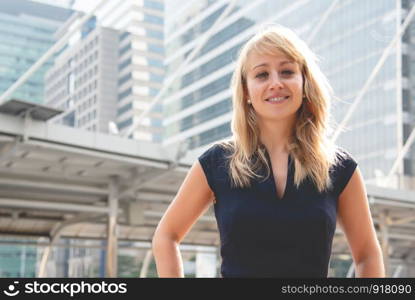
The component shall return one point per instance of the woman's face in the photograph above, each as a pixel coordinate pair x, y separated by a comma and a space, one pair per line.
274, 86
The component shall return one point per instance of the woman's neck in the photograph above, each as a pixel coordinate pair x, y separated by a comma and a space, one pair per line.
275, 135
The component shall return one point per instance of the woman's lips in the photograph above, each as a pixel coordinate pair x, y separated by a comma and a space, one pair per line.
278, 101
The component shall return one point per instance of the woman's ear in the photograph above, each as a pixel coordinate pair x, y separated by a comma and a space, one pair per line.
245, 90
305, 84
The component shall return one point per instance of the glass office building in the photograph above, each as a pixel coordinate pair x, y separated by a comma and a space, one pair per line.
27, 31
140, 62
349, 44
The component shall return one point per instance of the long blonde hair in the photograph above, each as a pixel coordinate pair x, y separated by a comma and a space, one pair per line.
311, 150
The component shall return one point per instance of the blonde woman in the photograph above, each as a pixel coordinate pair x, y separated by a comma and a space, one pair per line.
278, 186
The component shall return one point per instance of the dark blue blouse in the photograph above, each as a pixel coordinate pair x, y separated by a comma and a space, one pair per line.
264, 236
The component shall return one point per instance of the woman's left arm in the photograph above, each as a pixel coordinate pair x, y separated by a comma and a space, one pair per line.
356, 222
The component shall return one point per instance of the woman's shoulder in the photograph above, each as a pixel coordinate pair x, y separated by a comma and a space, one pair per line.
218, 150
342, 169
214, 162
343, 158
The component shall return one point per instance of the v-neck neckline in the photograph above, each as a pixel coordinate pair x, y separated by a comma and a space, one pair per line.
272, 177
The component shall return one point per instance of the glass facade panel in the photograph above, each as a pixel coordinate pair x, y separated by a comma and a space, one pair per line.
124, 124
125, 108
26, 33
201, 94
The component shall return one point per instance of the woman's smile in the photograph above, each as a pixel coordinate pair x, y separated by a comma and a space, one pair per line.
277, 100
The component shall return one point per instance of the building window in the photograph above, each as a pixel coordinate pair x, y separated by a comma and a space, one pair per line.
125, 49
125, 123
155, 34
125, 93
156, 48
124, 79
155, 63
125, 108
153, 4
153, 19
125, 63
124, 35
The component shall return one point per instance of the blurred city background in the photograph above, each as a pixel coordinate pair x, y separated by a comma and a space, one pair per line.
104, 106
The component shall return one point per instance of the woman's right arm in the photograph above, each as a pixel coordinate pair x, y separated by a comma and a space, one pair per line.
191, 201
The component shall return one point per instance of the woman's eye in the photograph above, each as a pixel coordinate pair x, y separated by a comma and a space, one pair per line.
287, 72
262, 75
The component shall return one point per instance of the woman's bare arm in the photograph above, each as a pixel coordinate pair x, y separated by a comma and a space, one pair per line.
191, 201
356, 222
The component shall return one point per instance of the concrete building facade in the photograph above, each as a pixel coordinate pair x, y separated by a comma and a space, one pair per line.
83, 81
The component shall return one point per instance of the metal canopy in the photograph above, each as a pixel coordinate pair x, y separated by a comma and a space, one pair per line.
36, 111
58, 181
61, 173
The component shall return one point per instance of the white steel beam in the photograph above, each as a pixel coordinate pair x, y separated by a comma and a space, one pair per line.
100, 154
321, 21
67, 167
50, 175
53, 186
146, 263
42, 195
112, 229
401, 154
203, 218
373, 74
54, 206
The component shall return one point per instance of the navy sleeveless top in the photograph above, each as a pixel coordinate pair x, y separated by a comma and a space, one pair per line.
264, 236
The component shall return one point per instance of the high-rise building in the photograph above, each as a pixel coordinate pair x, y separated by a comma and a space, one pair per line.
132, 71
350, 42
27, 31
83, 80
141, 67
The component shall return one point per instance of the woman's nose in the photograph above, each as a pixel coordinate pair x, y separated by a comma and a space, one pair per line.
276, 82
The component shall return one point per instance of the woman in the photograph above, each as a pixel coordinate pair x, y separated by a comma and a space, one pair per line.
279, 186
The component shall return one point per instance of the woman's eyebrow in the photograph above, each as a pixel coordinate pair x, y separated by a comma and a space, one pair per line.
287, 62
260, 65
281, 63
